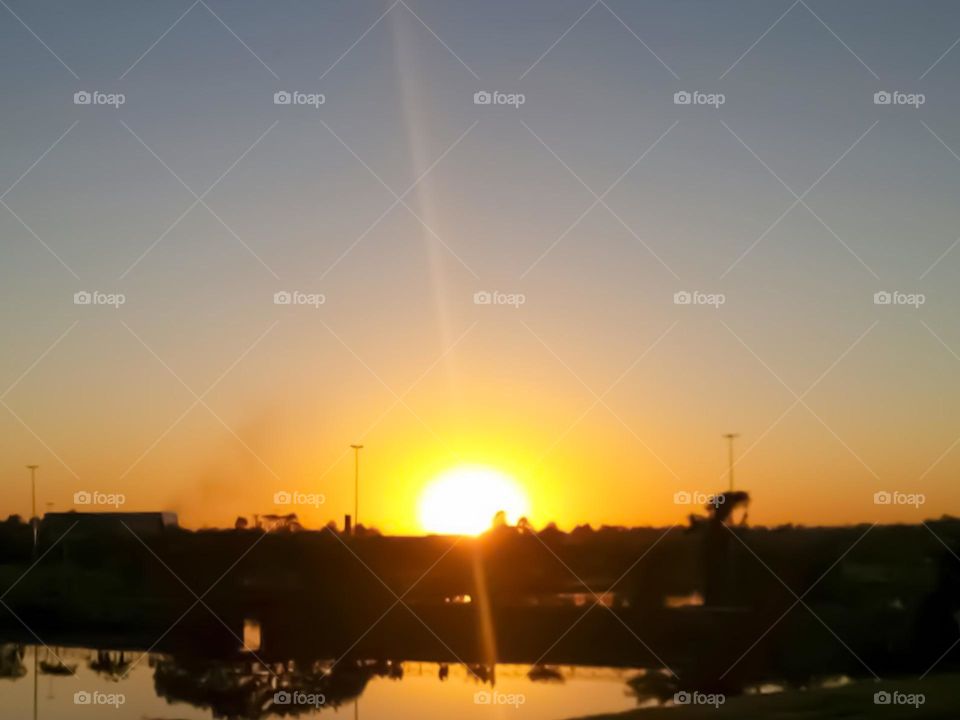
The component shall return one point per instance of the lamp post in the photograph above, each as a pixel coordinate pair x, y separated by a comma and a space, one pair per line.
33, 503
356, 485
730, 437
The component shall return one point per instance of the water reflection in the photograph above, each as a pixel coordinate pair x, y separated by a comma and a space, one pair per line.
168, 687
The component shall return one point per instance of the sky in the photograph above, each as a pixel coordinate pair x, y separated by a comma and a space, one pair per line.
780, 200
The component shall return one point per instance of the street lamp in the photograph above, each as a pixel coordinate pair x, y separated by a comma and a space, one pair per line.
356, 484
33, 505
730, 437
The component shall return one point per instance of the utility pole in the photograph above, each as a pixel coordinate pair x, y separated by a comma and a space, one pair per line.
33, 504
356, 485
730, 438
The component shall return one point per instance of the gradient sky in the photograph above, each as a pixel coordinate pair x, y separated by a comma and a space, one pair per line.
399, 357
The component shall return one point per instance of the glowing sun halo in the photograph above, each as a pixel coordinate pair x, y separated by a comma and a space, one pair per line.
463, 501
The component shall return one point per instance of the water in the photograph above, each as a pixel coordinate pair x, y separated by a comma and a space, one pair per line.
419, 694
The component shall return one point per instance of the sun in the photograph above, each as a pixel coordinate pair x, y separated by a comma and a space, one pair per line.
463, 500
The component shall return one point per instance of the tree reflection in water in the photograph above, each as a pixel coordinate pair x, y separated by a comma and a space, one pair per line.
11, 661
246, 690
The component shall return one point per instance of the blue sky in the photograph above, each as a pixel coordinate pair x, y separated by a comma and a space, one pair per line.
399, 198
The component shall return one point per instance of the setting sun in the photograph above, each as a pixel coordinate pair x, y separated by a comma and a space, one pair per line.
463, 501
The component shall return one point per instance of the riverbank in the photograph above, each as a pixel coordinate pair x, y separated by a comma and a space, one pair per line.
849, 702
